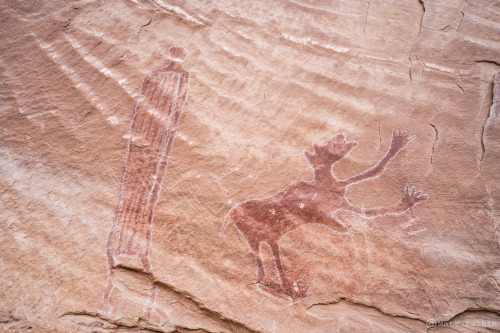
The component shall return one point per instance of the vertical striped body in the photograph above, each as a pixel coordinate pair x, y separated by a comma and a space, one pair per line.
153, 128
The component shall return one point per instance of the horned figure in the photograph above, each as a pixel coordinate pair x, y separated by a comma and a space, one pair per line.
268, 220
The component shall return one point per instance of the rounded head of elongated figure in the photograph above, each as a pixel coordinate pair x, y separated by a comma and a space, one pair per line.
177, 53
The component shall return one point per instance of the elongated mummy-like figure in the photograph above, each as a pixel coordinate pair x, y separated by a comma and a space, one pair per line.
153, 128
152, 133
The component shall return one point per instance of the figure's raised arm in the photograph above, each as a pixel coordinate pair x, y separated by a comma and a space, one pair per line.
399, 141
411, 197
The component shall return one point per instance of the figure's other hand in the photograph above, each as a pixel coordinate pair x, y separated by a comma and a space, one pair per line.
399, 140
300, 290
412, 196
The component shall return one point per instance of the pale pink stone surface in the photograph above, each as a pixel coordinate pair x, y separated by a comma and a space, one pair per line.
268, 79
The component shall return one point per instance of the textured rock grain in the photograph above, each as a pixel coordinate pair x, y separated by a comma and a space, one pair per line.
268, 79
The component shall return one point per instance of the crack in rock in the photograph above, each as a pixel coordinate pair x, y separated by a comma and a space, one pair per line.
436, 137
493, 111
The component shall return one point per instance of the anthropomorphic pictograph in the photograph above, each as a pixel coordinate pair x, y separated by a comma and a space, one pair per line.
152, 132
268, 220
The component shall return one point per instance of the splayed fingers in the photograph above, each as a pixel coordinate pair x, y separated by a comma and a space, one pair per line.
400, 139
413, 196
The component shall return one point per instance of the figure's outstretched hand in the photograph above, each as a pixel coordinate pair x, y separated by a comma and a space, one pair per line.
300, 290
412, 196
399, 140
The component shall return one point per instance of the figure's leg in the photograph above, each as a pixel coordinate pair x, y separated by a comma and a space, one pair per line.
105, 305
295, 289
255, 247
275, 250
148, 312
146, 263
262, 279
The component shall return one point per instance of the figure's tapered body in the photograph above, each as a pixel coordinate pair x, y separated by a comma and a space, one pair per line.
268, 220
152, 132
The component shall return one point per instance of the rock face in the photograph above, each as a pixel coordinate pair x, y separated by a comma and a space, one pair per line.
142, 191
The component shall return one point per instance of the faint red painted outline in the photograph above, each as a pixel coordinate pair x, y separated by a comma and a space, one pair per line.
169, 132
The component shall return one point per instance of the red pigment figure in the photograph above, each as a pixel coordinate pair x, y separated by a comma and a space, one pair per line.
152, 133
268, 220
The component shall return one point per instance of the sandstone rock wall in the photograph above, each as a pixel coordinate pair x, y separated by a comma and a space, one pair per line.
267, 80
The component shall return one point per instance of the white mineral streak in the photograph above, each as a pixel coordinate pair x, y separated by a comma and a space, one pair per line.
178, 11
309, 40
